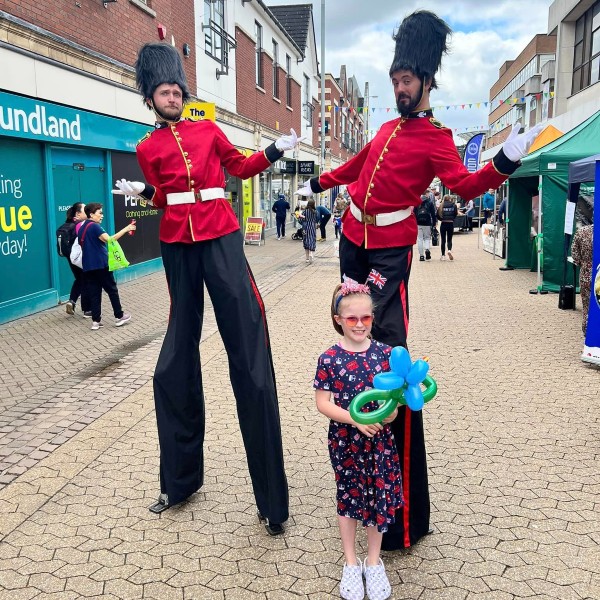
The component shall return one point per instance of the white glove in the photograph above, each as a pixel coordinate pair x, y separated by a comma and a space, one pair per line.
517, 144
305, 190
288, 142
128, 188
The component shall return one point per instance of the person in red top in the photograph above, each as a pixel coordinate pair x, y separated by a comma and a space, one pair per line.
385, 181
201, 243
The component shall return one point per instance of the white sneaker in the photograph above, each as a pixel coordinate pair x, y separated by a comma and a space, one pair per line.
377, 582
96, 326
278, 238
124, 319
442, 257
351, 585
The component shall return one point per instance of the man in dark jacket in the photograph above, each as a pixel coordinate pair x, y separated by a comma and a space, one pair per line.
323, 216
280, 208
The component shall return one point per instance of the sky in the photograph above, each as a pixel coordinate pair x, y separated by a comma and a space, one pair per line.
358, 33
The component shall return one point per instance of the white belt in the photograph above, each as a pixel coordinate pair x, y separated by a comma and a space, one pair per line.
381, 219
191, 197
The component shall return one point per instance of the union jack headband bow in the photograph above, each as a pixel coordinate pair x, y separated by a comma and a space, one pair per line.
350, 287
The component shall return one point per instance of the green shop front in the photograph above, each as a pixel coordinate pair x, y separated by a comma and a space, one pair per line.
52, 156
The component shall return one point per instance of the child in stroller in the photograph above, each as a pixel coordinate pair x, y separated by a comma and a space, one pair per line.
299, 233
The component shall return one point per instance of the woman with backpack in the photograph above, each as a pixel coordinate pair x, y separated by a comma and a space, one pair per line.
65, 236
447, 212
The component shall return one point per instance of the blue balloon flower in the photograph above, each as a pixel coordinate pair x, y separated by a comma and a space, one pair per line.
405, 376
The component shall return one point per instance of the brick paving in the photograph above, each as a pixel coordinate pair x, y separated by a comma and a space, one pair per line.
512, 441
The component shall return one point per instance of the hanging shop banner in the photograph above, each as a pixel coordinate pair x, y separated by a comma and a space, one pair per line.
144, 243
31, 119
254, 228
472, 153
197, 111
591, 349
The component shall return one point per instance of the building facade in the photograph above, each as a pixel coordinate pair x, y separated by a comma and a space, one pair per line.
70, 117
523, 91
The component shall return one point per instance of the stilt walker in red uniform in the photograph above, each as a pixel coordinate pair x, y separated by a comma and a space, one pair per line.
201, 244
385, 181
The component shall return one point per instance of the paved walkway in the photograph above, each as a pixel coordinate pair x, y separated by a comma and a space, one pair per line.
513, 442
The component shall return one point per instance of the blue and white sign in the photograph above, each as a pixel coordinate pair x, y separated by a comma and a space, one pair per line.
27, 118
591, 349
472, 153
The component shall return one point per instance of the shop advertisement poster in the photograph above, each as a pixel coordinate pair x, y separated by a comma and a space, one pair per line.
24, 261
591, 349
253, 232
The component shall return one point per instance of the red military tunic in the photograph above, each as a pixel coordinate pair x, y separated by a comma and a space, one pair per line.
190, 156
392, 171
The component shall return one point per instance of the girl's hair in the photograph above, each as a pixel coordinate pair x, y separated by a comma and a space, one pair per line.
74, 210
342, 291
91, 208
311, 204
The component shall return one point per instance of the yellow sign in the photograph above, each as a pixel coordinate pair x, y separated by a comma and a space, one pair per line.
196, 111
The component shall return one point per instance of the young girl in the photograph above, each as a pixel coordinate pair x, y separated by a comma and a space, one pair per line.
364, 457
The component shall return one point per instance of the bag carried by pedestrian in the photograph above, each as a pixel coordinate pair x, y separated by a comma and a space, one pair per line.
435, 237
116, 256
424, 214
76, 253
65, 236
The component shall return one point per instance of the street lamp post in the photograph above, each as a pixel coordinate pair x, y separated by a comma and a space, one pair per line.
322, 153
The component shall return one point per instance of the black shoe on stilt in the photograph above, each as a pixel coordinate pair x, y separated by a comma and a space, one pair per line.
272, 528
160, 505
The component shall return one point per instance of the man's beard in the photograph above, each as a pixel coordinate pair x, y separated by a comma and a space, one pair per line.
405, 109
168, 117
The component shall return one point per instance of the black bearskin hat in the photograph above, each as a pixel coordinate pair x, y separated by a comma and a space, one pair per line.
157, 64
420, 44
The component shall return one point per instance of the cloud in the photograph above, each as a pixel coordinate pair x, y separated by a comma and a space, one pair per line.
486, 34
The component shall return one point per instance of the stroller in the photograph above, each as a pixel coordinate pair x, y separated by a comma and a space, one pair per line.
298, 234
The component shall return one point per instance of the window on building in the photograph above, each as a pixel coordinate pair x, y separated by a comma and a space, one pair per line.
258, 30
307, 106
288, 80
586, 57
214, 19
217, 42
275, 69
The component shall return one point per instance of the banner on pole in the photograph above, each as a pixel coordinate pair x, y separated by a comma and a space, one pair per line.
472, 153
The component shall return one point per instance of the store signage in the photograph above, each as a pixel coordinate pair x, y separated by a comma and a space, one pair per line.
26, 118
198, 111
306, 167
253, 232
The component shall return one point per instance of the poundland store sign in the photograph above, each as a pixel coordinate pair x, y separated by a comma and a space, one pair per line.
31, 119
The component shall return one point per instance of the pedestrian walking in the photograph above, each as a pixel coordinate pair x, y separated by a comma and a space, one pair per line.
201, 243
308, 220
93, 239
426, 220
469, 213
385, 181
66, 235
280, 208
364, 458
447, 212
323, 216
582, 254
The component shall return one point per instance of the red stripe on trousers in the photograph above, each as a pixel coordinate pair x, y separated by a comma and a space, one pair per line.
406, 477
260, 304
